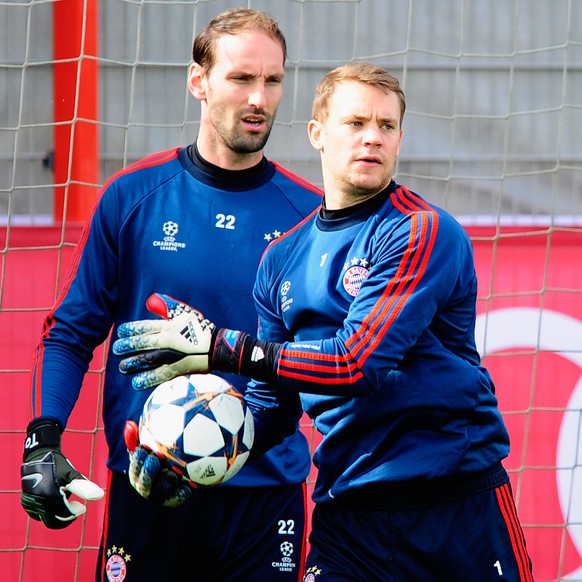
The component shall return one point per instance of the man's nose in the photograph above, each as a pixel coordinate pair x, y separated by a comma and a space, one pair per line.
257, 96
372, 136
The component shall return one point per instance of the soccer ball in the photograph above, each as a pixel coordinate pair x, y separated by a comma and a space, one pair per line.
201, 425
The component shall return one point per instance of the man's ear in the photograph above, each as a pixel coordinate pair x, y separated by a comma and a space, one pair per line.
399, 142
315, 133
196, 75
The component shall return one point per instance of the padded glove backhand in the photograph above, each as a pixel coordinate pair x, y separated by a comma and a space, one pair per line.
150, 474
157, 350
48, 479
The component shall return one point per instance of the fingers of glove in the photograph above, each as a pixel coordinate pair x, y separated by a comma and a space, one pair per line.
150, 379
168, 489
147, 380
141, 327
148, 360
84, 489
46, 489
131, 435
53, 515
166, 306
158, 304
136, 460
155, 481
77, 509
187, 333
149, 468
178, 496
197, 364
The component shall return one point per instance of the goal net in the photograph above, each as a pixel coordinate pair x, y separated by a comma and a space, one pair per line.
491, 133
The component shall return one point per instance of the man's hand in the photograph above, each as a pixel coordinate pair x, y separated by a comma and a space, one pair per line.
48, 478
157, 350
150, 474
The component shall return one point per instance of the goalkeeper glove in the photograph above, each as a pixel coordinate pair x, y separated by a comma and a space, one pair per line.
183, 342
48, 479
150, 474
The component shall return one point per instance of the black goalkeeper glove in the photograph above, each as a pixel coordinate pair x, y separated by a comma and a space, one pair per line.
48, 478
150, 474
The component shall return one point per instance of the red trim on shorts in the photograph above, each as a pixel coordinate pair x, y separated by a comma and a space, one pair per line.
515, 531
105, 528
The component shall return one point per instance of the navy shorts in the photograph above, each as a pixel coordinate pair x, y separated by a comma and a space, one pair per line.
222, 534
476, 537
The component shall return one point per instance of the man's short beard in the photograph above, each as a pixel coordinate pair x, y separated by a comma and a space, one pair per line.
248, 145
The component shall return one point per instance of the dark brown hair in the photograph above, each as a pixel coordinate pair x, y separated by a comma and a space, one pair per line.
234, 21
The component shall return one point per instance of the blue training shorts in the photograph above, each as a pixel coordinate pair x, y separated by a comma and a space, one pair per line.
472, 537
222, 534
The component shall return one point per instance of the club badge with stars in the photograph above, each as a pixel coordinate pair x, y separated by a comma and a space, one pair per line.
311, 573
116, 567
356, 272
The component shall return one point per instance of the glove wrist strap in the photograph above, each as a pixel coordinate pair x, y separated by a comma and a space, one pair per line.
237, 352
226, 350
42, 433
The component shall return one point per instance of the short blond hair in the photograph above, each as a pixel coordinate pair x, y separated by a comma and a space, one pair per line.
363, 72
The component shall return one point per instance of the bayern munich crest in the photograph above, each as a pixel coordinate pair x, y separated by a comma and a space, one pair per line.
116, 567
353, 279
311, 574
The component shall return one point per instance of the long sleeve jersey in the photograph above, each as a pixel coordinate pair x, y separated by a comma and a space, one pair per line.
375, 307
193, 231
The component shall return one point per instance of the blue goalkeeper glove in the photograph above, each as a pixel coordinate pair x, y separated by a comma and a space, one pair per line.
150, 474
48, 479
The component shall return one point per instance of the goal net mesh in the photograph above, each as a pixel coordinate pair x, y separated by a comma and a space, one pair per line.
491, 133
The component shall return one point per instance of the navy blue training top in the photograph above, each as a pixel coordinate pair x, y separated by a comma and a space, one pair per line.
375, 306
190, 230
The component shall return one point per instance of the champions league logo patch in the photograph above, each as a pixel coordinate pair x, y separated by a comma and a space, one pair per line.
353, 278
286, 301
286, 563
116, 567
169, 242
170, 228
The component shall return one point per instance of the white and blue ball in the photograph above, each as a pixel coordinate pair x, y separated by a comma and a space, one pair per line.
201, 424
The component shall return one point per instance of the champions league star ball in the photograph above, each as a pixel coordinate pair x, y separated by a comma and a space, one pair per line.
201, 425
